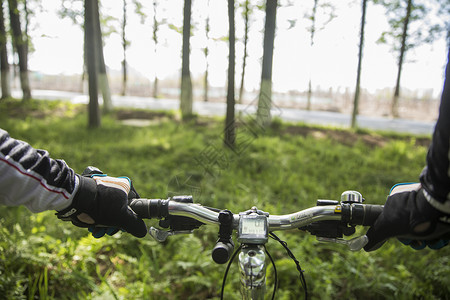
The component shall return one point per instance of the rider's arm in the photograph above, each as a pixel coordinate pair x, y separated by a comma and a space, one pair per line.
31, 178
415, 210
435, 178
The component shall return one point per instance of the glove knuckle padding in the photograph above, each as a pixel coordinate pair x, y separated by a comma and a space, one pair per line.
122, 184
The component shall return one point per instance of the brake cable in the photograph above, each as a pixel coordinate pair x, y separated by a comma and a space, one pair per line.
275, 285
226, 271
297, 263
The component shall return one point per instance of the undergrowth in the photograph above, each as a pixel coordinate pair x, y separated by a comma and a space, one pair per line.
282, 170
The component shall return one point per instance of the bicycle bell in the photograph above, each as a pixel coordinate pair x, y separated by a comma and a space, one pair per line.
351, 197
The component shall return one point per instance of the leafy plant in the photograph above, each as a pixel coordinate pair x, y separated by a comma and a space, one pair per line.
283, 170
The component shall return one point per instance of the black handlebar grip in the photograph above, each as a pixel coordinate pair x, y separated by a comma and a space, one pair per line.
371, 214
150, 208
365, 214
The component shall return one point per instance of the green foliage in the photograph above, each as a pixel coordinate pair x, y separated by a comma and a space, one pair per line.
74, 10
421, 28
283, 170
176, 28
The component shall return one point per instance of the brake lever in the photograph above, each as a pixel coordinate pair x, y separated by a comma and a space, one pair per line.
162, 235
354, 244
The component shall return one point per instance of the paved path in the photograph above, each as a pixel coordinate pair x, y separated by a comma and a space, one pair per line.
218, 109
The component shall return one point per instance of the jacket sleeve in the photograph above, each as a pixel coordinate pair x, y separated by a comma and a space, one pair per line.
435, 178
31, 178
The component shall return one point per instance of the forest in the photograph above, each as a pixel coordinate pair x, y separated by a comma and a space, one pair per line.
275, 165
406, 27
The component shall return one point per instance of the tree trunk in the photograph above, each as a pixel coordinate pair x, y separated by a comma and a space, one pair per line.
205, 80
360, 56
206, 52
90, 40
309, 94
313, 31
230, 126
15, 66
124, 47
244, 62
4, 64
401, 58
27, 26
155, 88
155, 40
20, 46
186, 83
102, 82
263, 116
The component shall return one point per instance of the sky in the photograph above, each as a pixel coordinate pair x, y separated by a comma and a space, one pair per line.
330, 63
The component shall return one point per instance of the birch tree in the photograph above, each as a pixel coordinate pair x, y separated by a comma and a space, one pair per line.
124, 47
156, 24
186, 83
76, 11
263, 116
360, 56
247, 10
91, 49
326, 9
401, 57
402, 36
206, 53
20, 45
103, 82
230, 126
4, 64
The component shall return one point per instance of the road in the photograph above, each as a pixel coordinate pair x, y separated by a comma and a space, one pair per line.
218, 109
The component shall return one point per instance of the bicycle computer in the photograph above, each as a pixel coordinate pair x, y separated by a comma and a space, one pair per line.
253, 229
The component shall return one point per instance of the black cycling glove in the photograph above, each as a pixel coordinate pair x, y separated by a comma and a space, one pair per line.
101, 204
406, 213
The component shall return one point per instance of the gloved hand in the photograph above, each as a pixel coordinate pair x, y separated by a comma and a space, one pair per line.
406, 213
101, 204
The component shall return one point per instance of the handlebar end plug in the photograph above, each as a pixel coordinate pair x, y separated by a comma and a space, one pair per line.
222, 252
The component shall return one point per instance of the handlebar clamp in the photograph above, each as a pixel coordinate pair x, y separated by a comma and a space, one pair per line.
224, 246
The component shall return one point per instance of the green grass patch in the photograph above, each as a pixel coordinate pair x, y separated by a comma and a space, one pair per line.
282, 170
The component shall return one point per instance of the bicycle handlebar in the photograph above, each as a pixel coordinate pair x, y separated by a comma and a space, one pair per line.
354, 214
329, 221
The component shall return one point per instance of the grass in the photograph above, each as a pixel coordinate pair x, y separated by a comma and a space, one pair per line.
285, 169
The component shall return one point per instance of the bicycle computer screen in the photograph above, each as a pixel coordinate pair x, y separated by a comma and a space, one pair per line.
253, 229
253, 226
